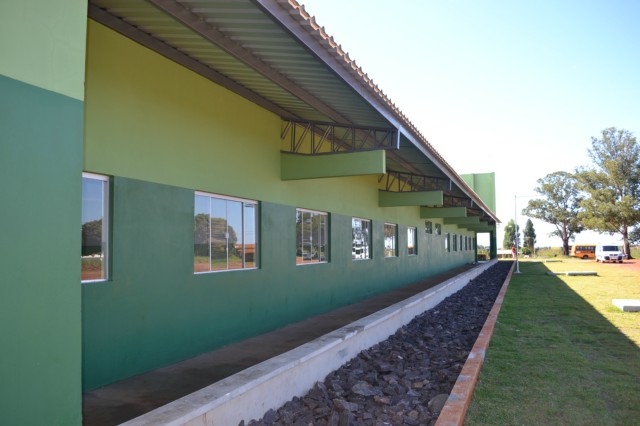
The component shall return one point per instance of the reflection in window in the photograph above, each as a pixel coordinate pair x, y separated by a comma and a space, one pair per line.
412, 243
95, 225
438, 229
361, 239
225, 233
428, 227
447, 246
312, 230
390, 240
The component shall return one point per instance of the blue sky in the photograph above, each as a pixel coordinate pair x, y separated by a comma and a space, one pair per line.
514, 87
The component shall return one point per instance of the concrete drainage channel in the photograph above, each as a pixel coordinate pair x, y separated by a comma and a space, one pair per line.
268, 385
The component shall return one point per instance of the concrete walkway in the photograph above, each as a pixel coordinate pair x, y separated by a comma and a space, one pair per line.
135, 396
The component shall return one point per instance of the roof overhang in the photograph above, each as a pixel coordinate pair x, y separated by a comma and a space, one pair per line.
273, 53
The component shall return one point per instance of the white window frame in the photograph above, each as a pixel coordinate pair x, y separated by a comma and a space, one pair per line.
367, 252
257, 230
105, 225
415, 241
395, 240
326, 236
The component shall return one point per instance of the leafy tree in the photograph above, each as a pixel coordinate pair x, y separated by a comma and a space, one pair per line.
634, 236
92, 237
510, 235
214, 238
559, 206
613, 184
529, 236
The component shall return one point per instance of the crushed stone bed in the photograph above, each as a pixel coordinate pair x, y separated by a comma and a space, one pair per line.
406, 379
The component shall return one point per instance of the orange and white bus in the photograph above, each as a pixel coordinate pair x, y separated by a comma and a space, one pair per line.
584, 251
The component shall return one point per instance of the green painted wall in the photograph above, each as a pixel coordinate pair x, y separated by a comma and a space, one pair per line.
163, 132
40, 186
155, 310
42, 42
296, 166
483, 184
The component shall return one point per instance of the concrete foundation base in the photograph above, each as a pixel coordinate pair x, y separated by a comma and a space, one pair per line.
252, 392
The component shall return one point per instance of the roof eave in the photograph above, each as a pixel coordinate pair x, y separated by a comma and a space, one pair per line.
294, 19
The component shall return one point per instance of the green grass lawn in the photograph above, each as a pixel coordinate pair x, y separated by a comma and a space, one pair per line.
561, 353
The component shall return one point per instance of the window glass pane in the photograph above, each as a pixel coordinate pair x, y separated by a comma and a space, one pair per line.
95, 196
312, 230
411, 241
321, 229
428, 227
447, 248
438, 229
250, 242
202, 234
219, 234
234, 235
226, 234
361, 238
299, 237
390, 240
307, 236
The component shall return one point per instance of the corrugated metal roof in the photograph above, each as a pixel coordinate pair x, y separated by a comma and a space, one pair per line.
275, 54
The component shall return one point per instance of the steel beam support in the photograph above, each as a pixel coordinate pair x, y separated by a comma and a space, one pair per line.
407, 182
315, 138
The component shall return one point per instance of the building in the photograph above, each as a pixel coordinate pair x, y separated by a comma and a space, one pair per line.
232, 170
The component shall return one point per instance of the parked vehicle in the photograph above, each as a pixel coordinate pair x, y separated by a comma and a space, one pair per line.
608, 253
584, 251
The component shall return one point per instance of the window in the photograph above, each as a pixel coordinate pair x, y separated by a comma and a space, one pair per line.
361, 239
454, 238
447, 246
95, 227
412, 243
438, 229
390, 240
312, 230
225, 233
428, 227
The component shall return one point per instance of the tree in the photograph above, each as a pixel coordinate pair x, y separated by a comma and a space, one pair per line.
510, 235
92, 237
214, 236
612, 184
559, 206
529, 237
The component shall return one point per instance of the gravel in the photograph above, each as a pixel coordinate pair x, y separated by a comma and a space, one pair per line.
406, 379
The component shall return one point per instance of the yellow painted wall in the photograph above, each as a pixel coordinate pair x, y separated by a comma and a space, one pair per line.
151, 119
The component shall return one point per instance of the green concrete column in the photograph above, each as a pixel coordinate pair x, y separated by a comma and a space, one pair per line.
42, 46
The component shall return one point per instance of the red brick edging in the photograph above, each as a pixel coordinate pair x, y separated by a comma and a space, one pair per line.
455, 409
